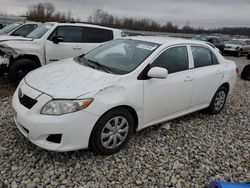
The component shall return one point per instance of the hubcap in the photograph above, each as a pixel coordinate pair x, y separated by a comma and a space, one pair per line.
219, 100
114, 132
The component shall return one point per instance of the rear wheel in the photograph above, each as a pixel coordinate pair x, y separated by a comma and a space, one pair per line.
20, 68
218, 101
112, 131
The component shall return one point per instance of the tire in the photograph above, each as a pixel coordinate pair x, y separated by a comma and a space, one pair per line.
245, 74
248, 56
20, 68
218, 101
104, 133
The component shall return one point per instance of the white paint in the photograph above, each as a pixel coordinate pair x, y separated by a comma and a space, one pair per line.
154, 100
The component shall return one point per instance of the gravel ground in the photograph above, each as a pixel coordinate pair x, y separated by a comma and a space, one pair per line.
197, 149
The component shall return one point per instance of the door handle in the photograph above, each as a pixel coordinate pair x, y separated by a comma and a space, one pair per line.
188, 79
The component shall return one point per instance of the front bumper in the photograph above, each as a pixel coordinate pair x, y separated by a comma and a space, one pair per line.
74, 128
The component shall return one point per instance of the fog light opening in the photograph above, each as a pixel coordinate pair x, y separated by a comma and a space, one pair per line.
55, 138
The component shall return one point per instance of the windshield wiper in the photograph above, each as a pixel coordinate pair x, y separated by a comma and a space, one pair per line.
97, 64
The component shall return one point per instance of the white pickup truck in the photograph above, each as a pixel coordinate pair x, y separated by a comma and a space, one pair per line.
49, 43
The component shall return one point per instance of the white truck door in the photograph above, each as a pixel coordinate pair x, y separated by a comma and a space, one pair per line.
64, 42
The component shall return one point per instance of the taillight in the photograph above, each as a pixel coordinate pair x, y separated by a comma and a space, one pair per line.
237, 70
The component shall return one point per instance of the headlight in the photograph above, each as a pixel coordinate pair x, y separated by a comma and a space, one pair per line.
8, 50
59, 107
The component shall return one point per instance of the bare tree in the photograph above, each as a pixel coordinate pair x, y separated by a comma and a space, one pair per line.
46, 11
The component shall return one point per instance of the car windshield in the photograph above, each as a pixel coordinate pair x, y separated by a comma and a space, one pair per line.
234, 41
9, 28
40, 31
119, 56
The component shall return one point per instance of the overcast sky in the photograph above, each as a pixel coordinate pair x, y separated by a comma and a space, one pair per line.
204, 13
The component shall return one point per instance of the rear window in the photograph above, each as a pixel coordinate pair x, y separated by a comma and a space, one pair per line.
203, 57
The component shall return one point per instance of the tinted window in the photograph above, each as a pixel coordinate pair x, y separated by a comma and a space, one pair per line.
24, 30
174, 59
95, 35
248, 42
203, 57
69, 33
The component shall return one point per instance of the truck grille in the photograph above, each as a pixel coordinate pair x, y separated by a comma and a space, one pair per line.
27, 101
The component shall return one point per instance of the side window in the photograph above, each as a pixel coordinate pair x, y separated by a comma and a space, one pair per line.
248, 42
96, 35
203, 57
174, 60
24, 30
215, 40
69, 33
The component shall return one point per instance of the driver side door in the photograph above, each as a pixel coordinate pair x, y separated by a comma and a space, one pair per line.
71, 46
170, 96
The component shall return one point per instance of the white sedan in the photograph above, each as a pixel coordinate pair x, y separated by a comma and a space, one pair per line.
98, 100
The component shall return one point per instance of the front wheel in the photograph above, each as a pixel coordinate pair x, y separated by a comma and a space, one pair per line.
218, 101
112, 131
20, 68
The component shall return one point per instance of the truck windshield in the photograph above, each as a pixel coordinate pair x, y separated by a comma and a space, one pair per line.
40, 31
9, 28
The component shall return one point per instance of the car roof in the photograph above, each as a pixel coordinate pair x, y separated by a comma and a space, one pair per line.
83, 24
166, 40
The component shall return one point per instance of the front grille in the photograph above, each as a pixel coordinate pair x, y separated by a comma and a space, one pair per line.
227, 47
27, 101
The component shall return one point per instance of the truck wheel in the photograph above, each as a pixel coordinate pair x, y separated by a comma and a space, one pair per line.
20, 68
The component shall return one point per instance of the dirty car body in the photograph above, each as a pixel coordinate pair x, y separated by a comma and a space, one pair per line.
68, 105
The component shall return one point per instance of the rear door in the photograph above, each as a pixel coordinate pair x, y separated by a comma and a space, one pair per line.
207, 73
71, 46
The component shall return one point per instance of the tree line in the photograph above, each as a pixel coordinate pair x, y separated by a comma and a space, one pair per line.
102, 17
46, 11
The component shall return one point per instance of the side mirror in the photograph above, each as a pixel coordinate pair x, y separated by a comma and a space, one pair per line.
158, 72
57, 39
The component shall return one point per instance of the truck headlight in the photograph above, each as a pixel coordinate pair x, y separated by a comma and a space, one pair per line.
9, 51
59, 107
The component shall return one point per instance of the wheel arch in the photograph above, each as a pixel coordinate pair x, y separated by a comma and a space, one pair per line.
27, 56
128, 108
226, 85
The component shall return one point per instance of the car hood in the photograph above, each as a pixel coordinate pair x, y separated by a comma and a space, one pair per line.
69, 80
4, 38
